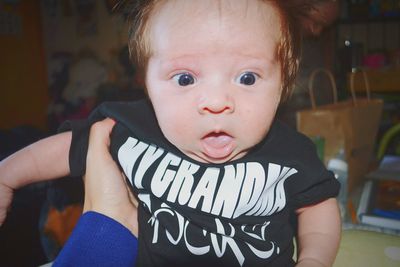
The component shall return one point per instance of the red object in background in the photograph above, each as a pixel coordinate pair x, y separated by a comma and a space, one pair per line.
374, 61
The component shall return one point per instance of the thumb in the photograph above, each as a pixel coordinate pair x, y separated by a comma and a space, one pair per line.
99, 139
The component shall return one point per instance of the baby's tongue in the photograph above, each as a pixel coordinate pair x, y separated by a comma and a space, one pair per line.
218, 145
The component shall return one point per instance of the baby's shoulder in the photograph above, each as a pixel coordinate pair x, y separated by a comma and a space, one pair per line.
284, 135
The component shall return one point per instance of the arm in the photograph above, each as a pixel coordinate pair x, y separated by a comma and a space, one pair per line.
44, 160
319, 233
109, 211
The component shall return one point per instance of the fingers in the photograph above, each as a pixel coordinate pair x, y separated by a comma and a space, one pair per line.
99, 165
99, 141
105, 185
100, 134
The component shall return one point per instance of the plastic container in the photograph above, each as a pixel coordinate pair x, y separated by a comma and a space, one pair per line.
339, 167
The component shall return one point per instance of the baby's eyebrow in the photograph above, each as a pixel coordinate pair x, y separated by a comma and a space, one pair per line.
257, 61
192, 62
179, 62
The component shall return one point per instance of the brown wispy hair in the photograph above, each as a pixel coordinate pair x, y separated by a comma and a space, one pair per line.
288, 49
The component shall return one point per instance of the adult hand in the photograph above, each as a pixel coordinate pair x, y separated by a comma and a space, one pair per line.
106, 190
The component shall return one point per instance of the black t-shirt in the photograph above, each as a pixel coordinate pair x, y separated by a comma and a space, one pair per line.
240, 213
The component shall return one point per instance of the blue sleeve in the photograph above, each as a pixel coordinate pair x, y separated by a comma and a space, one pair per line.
98, 240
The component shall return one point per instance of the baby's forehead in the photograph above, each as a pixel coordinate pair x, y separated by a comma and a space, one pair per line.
261, 17
197, 8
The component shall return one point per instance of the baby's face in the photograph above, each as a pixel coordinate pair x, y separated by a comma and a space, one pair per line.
213, 76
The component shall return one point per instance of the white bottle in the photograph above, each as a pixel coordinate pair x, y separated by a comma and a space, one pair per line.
339, 167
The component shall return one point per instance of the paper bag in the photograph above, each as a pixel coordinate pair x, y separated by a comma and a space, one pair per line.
350, 125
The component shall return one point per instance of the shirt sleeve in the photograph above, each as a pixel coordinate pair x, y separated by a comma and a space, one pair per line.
80, 138
98, 240
79, 145
313, 182
326, 187
129, 114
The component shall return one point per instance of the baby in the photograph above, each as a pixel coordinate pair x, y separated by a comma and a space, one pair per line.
220, 181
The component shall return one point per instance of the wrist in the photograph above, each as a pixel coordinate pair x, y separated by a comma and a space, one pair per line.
12, 176
130, 224
127, 218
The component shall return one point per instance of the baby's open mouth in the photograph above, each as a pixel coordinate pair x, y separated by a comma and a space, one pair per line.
217, 145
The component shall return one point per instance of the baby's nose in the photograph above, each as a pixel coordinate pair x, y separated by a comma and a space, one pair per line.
216, 102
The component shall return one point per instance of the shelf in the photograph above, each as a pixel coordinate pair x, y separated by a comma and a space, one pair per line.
380, 81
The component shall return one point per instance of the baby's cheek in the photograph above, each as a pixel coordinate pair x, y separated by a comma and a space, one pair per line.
170, 124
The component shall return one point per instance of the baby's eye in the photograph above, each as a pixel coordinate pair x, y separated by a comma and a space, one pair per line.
184, 79
248, 78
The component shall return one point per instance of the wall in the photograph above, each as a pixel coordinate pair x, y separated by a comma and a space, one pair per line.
375, 35
40, 30
70, 28
83, 41
23, 85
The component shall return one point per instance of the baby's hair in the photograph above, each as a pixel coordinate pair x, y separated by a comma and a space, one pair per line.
288, 49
